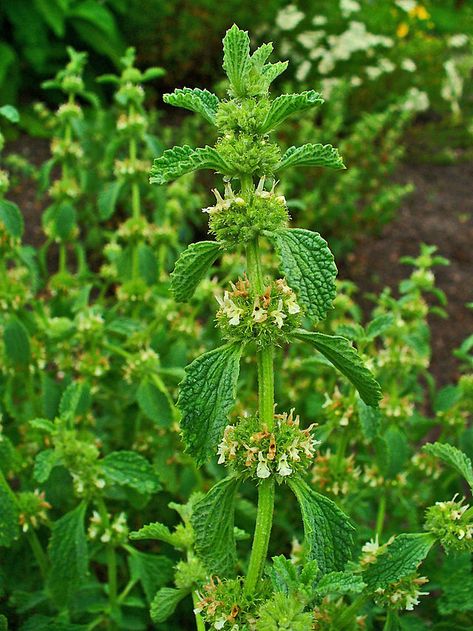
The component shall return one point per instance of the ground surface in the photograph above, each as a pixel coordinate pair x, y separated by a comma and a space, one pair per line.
439, 212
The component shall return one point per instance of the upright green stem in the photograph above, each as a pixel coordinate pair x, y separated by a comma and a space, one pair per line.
135, 197
38, 552
345, 619
264, 518
111, 560
62, 257
381, 514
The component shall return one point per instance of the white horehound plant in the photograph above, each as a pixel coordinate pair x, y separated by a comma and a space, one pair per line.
256, 315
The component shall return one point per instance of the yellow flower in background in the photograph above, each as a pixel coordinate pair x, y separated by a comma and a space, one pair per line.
402, 30
420, 12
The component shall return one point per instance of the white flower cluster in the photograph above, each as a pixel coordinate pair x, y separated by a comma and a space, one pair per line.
453, 511
289, 17
263, 308
224, 203
89, 321
267, 451
405, 594
145, 361
116, 529
347, 7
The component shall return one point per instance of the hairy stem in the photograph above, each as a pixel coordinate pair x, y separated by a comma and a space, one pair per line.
264, 357
380, 516
111, 560
135, 199
345, 619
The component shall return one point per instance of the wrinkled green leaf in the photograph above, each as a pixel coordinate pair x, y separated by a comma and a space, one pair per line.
165, 602
402, 558
44, 463
308, 265
181, 160
370, 419
206, 396
453, 457
154, 403
340, 583
191, 267
379, 325
17, 342
311, 155
236, 58
289, 578
75, 400
68, 555
107, 198
12, 219
156, 531
202, 102
288, 104
130, 469
328, 531
9, 528
151, 570
212, 520
456, 582
342, 355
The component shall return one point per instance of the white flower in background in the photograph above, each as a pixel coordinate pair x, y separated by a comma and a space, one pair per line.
416, 101
303, 70
328, 85
310, 39
289, 17
373, 72
319, 20
320, 51
406, 5
386, 65
408, 65
286, 48
452, 88
327, 64
347, 7
356, 81
458, 40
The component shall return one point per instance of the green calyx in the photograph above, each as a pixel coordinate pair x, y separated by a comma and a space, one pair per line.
267, 318
248, 154
235, 221
253, 450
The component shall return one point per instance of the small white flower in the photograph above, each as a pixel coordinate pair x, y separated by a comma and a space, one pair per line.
259, 314
278, 315
283, 467
292, 305
262, 470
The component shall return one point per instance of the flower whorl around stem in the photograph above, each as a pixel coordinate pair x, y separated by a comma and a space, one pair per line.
253, 450
234, 220
267, 319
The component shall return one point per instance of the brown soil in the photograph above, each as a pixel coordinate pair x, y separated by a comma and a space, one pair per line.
439, 212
